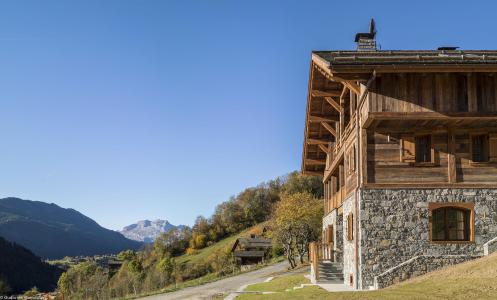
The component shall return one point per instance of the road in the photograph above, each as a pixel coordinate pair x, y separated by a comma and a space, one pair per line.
223, 286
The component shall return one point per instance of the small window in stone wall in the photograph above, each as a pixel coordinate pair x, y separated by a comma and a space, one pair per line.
451, 222
350, 227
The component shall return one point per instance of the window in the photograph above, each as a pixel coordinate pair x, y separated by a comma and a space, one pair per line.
350, 227
451, 222
423, 149
479, 148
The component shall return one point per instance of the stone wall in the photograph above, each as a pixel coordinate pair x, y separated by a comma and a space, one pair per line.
395, 227
417, 266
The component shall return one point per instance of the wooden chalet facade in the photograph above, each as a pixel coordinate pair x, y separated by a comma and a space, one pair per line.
406, 142
249, 251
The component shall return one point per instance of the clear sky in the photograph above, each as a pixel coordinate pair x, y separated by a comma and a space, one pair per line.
129, 110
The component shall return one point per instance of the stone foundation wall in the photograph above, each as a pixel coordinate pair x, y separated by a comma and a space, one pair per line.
395, 228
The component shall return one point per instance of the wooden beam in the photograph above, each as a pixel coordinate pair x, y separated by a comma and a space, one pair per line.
316, 142
329, 128
354, 87
334, 104
318, 93
315, 173
319, 119
344, 91
451, 159
309, 162
323, 148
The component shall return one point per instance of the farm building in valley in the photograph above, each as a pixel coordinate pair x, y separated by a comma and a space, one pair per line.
406, 142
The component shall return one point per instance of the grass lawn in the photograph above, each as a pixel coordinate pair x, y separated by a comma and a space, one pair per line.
472, 280
278, 284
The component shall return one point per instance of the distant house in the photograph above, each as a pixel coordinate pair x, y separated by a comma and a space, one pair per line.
248, 251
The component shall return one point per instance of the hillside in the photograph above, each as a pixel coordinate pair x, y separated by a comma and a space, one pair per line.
20, 270
203, 254
52, 232
147, 231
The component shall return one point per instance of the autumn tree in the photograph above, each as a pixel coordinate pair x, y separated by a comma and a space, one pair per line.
296, 222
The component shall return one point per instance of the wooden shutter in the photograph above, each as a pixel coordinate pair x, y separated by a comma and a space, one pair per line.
350, 227
492, 147
330, 234
408, 149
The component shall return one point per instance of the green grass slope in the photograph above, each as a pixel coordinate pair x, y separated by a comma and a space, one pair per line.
476, 279
203, 254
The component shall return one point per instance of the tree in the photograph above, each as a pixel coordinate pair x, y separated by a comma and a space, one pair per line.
298, 183
296, 222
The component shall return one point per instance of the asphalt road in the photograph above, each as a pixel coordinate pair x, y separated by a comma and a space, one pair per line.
223, 286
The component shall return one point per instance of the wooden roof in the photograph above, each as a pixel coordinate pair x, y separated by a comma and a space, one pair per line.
252, 243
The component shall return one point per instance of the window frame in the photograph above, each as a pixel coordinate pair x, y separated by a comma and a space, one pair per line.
464, 206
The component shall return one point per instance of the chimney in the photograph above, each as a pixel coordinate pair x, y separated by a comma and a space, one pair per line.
366, 40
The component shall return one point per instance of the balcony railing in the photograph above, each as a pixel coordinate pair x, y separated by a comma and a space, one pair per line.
319, 252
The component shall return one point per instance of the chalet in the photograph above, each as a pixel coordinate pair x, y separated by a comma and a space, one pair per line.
248, 251
406, 143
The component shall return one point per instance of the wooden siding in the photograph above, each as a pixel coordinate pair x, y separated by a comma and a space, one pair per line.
386, 166
434, 92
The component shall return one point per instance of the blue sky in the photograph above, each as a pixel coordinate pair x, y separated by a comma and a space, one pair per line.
126, 110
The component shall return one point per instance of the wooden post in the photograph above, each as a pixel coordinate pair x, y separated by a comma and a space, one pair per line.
451, 158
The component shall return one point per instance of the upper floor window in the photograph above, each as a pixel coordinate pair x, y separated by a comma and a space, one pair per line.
423, 149
450, 224
479, 148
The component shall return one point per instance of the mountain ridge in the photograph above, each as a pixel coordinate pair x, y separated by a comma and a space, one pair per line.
51, 231
147, 231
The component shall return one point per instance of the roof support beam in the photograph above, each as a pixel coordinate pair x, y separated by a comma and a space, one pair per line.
318, 93
317, 142
329, 128
315, 173
319, 119
323, 148
334, 104
309, 162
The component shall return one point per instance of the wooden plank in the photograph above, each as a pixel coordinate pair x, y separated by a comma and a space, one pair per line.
364, 155
329, 128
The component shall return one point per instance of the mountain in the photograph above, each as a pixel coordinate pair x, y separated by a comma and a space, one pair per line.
20, 270
52, 232
147, 231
